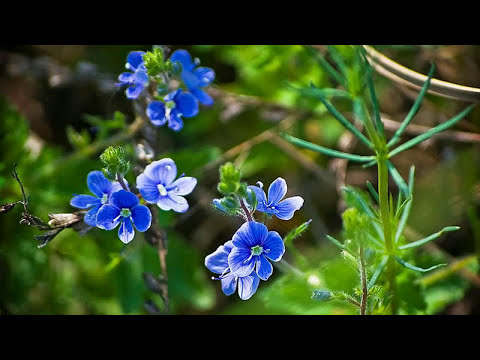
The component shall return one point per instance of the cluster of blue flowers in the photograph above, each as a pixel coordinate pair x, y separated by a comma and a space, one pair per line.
177, 104
111, 205
245, 260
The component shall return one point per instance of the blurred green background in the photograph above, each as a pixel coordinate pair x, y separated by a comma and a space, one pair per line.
54, 96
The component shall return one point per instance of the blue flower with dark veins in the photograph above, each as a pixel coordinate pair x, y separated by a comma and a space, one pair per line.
253, 247
138, 78
177, 104
285, 209
157, 185
124, 208
195, 78
103, 190
217, 262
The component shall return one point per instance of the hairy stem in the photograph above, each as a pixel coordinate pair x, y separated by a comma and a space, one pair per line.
387, 230
363, 279
245, 210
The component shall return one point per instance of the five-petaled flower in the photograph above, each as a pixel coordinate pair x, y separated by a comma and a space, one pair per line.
285, 209
217, 262
177, 104
253, 247
124, 208
136, 80
195, 78
102, 188
157, 185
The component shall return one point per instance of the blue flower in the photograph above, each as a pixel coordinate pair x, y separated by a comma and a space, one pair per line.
253, 247
217, 263
157, 185
194, 78
282, 209
124, 208
136, 80
177, 104
102, 188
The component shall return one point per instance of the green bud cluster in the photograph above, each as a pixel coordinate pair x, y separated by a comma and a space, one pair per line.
155, 63
113, 160
234, 190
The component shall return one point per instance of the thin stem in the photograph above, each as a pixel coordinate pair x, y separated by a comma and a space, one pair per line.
245, 210
363, 279
387, 230
121, 180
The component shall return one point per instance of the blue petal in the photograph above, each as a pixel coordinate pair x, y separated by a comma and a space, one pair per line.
175, 121
186, 104
134, 91
286, 208
263, 268
90, 217
277, 191
247, 286
184, 58
125, 231
148, 188
108, 217
202, 97
172, 95
173, 202
217, 262
191, 80
182, 186
273, 246
98, 183
240, 261
162, 171
205, 75
229, 284
125, 78
124, 199
134, 59
250, 234
261, 198
141, 76
156, 113
142, 218
84, 201
217, 203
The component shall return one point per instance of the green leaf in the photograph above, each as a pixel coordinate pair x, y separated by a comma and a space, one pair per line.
316, 93
398, 179
377, 272
406, 212
413, 111
415, 268
429, 238
324, 150
325, 65
428, 134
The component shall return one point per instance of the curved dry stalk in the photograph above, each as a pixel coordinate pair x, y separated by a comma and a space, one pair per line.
405, 76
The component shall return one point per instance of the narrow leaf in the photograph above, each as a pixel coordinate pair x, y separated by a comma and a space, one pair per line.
377, 272
373, 191
406, 212
325, 65
314, 92
413, 111
398, 179
335, 242
429, 238
415, 268
324, 150
428, 134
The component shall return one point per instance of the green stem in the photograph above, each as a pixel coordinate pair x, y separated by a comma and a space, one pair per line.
363, 280
387, 229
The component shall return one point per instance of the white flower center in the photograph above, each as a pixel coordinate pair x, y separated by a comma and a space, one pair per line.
162, 190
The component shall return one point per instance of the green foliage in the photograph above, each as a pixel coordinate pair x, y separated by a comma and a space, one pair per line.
155, 62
